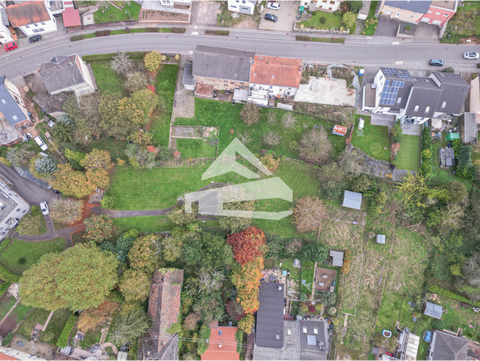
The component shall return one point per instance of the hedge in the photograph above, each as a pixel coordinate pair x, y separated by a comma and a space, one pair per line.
320, 40
239, 339
217, 32
102, 33
426, 166
450, 294
7, 339
3, 287
109, 56
178, 30
8, 276
77, 37
67, 330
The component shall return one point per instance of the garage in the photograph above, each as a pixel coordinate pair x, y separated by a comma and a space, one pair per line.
437, 22
425, 20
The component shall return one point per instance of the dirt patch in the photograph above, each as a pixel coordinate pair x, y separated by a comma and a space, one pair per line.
151, 15
249, 23
473, 40
327, 281
8, 325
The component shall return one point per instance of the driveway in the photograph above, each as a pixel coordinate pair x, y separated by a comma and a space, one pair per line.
286, 17
426, 31
387, 26
205, 12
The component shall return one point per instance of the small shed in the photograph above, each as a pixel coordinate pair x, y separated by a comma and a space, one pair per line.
337, 258
433, 310
339, 130
187, 78
452, 136
352, 200
381, 238
447, 157
71, 18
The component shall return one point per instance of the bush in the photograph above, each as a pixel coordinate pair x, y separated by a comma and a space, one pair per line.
443, 292
21, 260
8, 276
303, 297
178, 30
438, 324
355, 6
448, 70
478, 65
77, 37
107, 202
239, 339
322, 20
152, 30
302, 38
67, 330
346, 267
349, 19
102, 33
7, 339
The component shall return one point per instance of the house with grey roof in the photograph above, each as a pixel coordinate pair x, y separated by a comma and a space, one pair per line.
445, 346
433, 310
67, 73
352, 200
221, 69
269, 326
337, 258
470, 127
414, 100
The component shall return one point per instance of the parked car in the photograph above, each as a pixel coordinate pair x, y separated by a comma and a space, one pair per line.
428, 336
51, 123
35, 38
11, 46
40, 143
389, 354
55, 191
271, 17
470, 56
273, 6
44, 208
436, 62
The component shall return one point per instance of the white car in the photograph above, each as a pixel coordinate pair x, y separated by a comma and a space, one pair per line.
273, 6
44, 208
470, 56
40, 143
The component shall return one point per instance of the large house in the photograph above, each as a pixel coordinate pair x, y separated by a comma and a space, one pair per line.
415, 100
67, 73
13, 113
242, 6
445, 346
12, 209
274, 77
269, 327
32, 17
431, 12
322, 5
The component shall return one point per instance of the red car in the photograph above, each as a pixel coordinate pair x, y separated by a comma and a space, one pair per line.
10, 46
389, 354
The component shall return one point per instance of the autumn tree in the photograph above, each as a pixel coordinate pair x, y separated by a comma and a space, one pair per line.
98, 228
66, 210
20, 156
315, 147
152, 61
30, 224
113, 121
246, 323
247, 244
142, 138
136, 81
97, 159
135, 286
143, 256
138, 106
129, 327
79, 278
247, 281
98, 178
309, 214
192, 320
71, 182
91, 318
250, 113
178, 216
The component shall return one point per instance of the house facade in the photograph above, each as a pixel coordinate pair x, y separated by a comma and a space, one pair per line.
12, 209
322, 5
431, 12
414, 100
274, 77
474, 98
242, 6
440, 12
67, 73
32, 17
5, 34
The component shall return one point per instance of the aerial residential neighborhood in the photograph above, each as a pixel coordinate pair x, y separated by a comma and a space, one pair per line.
240, 180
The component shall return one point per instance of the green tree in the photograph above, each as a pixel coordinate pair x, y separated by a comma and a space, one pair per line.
204, 334
20, 156
315, 252
455, 192
98, 228
438, 324
361, 183
143, 256
236, 224
332, 177
396, 132
107, 202
135, 286
328, 298
129, 327
209, 306
178, 216
45, 165
152, 60
136, 81
355, 6
79, 278
113, 122
349, 19
63, 131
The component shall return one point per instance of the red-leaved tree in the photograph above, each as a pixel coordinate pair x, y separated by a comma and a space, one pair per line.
246, 244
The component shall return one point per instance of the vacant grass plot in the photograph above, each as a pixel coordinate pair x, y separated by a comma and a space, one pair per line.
195, 148
55, 326
409, 153
115, 147
109, 13
358, 336
375, 140
37, 315
294, 277
107, 80
308, 268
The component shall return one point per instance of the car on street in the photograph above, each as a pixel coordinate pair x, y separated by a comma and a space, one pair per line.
470, 56
35, 38
271, 17
436, 62
40, 143
51, 123
10, 47
273, 6
44, 208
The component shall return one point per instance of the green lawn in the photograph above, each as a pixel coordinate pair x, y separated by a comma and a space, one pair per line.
331, 21
307, 276
226, 116
294, 271
107, 80
165, 88
370, 29
115, 147
37, 315
114, 14
30, 252
409, 153
6, 306
37, 214
442, 176
375, 142
143, 224
91, 337
55, 326
195, 148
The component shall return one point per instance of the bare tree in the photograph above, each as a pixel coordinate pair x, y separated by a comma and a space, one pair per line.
66, 210
315, 147
244, 138
309, 213
122, 64
250, 113
271, 118
136, 81
210, 282
272, 138
288, 120
471, 270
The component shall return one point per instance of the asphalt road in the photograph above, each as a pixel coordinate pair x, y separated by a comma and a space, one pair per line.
24, 61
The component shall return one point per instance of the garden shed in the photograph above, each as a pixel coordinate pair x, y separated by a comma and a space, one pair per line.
352, 200
337, 258
453, 136
381, 238
433, 310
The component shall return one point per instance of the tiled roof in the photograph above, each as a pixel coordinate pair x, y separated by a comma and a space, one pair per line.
71, 17
271, 70
28, 12
222, 344
61, 72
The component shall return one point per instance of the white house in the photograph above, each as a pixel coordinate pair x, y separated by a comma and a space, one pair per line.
322, 5
67, 73
414, 100
12, 209
5, 34
242, 6
56, 7
32, 17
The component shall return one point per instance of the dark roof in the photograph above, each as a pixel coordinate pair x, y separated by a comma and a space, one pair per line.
415, 6
8, 106
424, 94
61, 72
28, 12
454, 92
399, 75
317, 331
269, 326
471, 127
352, 200
448, 347
187, 78
222, 63
433, 310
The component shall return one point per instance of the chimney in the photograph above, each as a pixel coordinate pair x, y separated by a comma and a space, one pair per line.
220, 345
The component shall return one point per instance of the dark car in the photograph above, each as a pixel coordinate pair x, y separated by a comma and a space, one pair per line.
10, 46
436, 62
35, 38
271, 17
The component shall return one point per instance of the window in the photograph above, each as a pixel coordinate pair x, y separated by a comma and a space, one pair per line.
429, 11
219, 332
24, 211
28, 27
289, 332
304, 330
315, 331
15, 117
18, 209
241, 82
437, 13
332, 2
232, 82
78, 86
42, 23
427, 109
38, 30
82, 90
399, 100
446, 15
1, 36
381, 77
35, 24
444, 104
324, 1
243, 1
416, 108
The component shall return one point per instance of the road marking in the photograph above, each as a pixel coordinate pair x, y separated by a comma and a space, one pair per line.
396, 43
194, 32
398, 62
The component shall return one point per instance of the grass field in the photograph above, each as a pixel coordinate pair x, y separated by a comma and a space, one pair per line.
331, 21
114, 14
195, 148
6, 305
226, 116
442, 176
12, 256
91, 337
115, 147
37, 315
375, 142
36, 214
107, 80
409, 153
307, 276
55, 326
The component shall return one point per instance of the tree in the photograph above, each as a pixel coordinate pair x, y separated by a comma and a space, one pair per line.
113, 121
45, 165
136, 81
396, 132
135, 286
191, 321
288, 120
178, 216
471, 270
328, 298
97, 159
309, 214
361, 183
20, 156
122, 64
272, 138
210, 280
209, 306
70, 182
247, 281
107, 202
246, 323
30, 224
142, 138
138, 106
247, 244
143, 255
204, 334
208, 249
140, 157
355, 6
465, 168
98, 178
437, 324
98, 228
66, 210
91, 318
152, 61
129, 327
250, 113
86, 117
79, 278
63, 131
314, 252
231, 223
349, 19
332, 177
315, 147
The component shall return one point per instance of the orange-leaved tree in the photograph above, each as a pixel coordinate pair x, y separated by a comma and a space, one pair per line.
247, 244
247, 280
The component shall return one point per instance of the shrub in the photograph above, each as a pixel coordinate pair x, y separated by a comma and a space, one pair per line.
77, 37
271, 162
349, 19
21, 260
438, 324
448, 70
303, 297
302, 38
443, 292
347, 255
152, 30
239, 339
107, 202
346, 267
102, 33
178, 30
322, 20
7, 339
272, 138
67, 330
356, 6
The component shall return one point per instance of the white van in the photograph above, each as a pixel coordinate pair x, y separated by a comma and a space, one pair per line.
41, 143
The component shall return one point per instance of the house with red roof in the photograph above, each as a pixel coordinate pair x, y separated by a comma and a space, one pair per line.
32, 17
222, 344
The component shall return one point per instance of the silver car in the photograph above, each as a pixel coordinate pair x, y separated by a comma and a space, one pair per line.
44, 208
273, 6
470, 56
